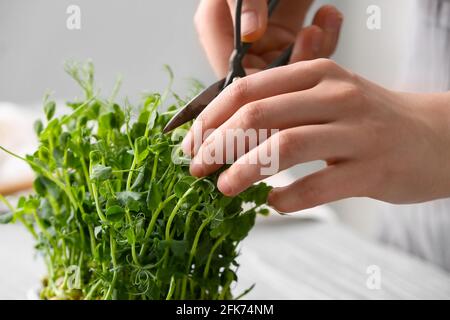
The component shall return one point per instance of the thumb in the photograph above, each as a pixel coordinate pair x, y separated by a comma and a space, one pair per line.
253, 19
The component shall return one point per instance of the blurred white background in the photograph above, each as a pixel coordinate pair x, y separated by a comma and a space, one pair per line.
136, 37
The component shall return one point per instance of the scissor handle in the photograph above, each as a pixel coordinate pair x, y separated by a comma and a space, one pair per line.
240, 48
272, 4
283, 59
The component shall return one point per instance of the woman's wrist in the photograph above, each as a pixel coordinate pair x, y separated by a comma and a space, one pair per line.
433, 109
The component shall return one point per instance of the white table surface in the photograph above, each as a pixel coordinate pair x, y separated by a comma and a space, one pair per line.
287, 258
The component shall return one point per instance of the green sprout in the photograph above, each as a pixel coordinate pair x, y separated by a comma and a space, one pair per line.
115, 218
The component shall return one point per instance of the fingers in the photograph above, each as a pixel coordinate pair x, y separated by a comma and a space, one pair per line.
280, 112
251, 61
297, 77
308, 45
284, 111
331, 184
215, 30
281, 151
214, 24
329, 19
320, 39
253, 18
285, 23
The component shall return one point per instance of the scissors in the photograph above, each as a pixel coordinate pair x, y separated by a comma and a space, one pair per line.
191, 110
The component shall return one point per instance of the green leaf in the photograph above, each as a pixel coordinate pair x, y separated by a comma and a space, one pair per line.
115, 213
63, 139
101, 172
180, 188
6, 218
131, 238
217, 220
89, 218
49, 109
38, 127
256, 194
241, 226
130, 199
95, 156
154, 196
192, 198
264, 211
44, 154
105, 123
97, 231
141, 149
119, 116
139, 179
178, 247
39, 186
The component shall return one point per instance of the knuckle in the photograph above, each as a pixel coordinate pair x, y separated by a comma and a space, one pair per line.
237, 91
200, 121
348, 93
302, 67
311, 193
252, 115
201, 128
288, 144
353, 78
324, 64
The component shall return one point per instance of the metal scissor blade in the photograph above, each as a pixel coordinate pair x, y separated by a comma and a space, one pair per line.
191, 110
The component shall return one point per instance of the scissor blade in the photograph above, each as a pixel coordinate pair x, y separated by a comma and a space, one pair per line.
195, 106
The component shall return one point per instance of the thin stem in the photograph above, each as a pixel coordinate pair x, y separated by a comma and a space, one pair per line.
171, 288
174, 212
214, 247
130, 174
7, 203
112, 243
151, 226
93, 290
92, 242
97, 203
225, 290
19, 217
155, 166
195, 243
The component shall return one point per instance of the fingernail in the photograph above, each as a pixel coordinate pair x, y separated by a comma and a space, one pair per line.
186, 144
249, 23
224, 185
333, 23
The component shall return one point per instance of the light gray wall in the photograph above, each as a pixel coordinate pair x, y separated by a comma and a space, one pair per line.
379, 55
131, 37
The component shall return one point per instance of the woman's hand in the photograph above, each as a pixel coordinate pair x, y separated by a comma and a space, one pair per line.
214, 23
377, 143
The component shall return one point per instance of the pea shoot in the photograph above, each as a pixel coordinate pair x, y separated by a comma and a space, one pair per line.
115, 218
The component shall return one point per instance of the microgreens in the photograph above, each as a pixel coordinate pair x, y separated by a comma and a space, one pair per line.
115, 218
